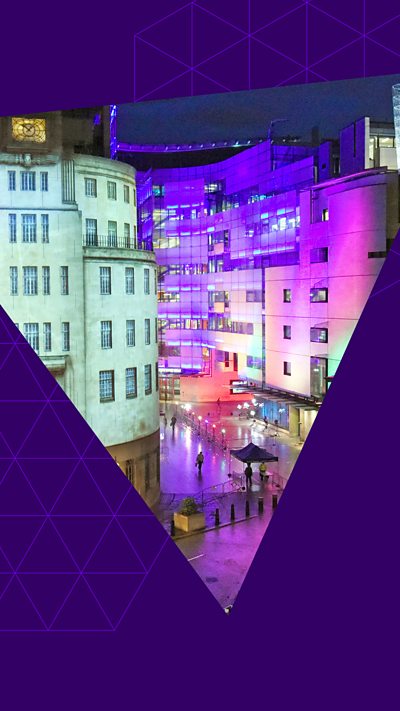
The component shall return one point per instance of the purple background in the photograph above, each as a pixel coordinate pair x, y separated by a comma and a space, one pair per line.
316, 624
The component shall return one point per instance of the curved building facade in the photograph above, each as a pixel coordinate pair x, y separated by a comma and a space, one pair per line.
77, 286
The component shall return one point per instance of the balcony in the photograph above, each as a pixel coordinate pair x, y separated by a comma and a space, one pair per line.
109, 242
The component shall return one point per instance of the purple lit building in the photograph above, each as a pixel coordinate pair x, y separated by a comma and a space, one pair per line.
266, 260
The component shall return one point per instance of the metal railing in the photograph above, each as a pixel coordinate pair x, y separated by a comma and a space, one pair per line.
109, 242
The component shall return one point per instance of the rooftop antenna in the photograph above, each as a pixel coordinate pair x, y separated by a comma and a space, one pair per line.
271, 125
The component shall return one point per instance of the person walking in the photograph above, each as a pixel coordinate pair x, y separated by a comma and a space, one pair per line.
199, 461
248, 474
165, 422
173, 423
263, 471
265, 423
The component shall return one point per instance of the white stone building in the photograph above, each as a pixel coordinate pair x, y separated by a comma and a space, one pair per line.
73, 280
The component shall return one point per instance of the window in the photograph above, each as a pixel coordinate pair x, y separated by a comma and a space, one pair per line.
156, 376
287, 368
12, 183
127, 235
90, 187
287, 332
146, 274
126, 193
156, 330
46, 280
12, 227
287, 296
155, 282
29, 228
47, 336
65, 339
112, 234
317, 295
45, 228
129, 280
91, 232
147, 331
319, 335
318, 254
106, 334
105, 280
28, 180
325, 215
13, 281
147, 379
44, 182
64, 280
30, 281
31, 333
111, 190
253, 362
130, 382
130, 332
106, 385
134, 197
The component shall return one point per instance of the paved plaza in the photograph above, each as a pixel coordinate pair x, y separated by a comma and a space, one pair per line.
222, 554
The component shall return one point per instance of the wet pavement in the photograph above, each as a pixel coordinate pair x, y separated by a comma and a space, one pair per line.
221, 555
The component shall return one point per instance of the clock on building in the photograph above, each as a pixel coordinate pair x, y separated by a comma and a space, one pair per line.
29, 129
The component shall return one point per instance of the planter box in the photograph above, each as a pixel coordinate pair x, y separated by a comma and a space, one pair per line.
194, 522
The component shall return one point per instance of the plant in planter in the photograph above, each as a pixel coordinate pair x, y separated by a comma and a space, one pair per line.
189, 517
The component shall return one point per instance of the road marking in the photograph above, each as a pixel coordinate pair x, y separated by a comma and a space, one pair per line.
196, 556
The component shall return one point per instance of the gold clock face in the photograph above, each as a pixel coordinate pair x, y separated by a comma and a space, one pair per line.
29, 129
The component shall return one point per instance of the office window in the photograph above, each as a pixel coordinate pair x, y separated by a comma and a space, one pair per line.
318, 254
12, 183
156, 375
46, 280
319, 335
287, 295
287, 368
156, 330
147, 331
106, 385
134, 197
64, 281
287, 332
147, 379
135, 236
12, 227
325, 215
45, 228
111, 190
129, 280
31, 333
106, 334
317, 295
91, 232
105, 280
30, 281
126, 193
28, 180
29, 228
155, 282
47, 336
90, 187
131, 382
44, 182
127, 235
13, 281
112, 234
65, 336
130, 332
146, 274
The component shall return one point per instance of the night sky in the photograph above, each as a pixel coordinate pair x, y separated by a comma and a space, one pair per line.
247, 114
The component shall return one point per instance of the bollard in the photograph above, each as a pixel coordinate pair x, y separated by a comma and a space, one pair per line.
260, 505
247, 508
217, 517
172, 527
274, 501
232, 512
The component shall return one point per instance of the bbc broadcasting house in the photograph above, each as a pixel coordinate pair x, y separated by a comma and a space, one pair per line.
75, 283
265, 262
